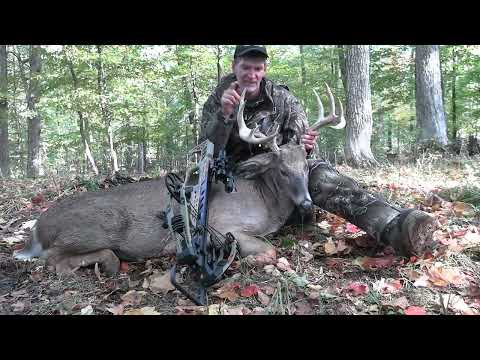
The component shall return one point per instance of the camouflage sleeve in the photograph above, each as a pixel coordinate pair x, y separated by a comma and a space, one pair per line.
213, 125
296, 123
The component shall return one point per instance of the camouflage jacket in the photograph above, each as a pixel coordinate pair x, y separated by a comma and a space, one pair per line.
275, 106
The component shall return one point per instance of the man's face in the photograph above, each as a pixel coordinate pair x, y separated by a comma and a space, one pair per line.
249, 72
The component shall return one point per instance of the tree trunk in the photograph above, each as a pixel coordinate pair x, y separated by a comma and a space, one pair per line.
33, 119
358, 152
219, 65
140, 158
81, 124
454, 97
104, 106
429, 104
303, 71
343, 69
4, 144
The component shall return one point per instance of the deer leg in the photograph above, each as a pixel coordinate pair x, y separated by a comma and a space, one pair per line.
109, 262
250, 245
408, 231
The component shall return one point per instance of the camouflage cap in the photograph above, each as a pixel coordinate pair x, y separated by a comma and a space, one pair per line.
241, 50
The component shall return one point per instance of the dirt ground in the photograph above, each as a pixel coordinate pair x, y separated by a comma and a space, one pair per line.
329, 267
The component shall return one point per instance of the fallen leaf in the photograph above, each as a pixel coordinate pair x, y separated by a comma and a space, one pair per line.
239, 310
263, 298
303, 308
470, 239
387, 286
377, 263
357, 289
422, 281
330, 247
439, 275
148, 310
19, 306
463, 209
87, 310
352, 228
161, 283
457, 304
228, 291
343, 247
191, 310
214, 309
415, 310
307, 256
269, 290
133, 297
401, 302
250, 290
116, 310
283, 264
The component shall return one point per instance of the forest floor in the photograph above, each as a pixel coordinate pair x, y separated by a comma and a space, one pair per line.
331, 267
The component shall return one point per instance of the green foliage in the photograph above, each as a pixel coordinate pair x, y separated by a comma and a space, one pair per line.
155, 96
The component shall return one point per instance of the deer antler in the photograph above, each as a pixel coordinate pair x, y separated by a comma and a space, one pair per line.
252, 136
338, 121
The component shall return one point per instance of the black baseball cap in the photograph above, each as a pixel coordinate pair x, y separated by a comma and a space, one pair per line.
241, 50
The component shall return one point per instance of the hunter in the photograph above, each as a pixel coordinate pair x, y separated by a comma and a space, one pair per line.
269, 105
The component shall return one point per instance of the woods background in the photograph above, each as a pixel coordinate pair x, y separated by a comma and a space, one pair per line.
98, 109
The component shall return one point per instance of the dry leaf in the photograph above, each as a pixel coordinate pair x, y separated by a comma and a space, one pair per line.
330, 247
343, 247
387, 286
191, 310
250, 290
352, 228
133, 297
116, 310
269, 290
442, 276
87, 310
228, 291
401, 302
214, 309
263, 298
161, 283
457, 304
463, 209
422, 281
148, 310
239, 310
415, 310
376, 263
303, 308
357, 289
19, 306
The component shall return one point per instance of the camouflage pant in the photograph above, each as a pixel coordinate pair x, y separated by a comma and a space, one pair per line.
406, 230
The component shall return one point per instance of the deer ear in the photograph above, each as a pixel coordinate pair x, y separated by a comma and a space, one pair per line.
256, 166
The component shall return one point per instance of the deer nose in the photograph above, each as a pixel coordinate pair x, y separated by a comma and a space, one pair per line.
305, 206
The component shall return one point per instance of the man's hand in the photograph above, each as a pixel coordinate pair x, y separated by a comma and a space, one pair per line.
230, 99
309, 139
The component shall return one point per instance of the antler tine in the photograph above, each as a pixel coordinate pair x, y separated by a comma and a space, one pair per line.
342, 123
320, 105
332, 117
252, 136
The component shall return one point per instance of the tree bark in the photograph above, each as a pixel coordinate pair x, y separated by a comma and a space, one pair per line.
81, 123
4, 142
33, 119
429, 104
104, 106
454, 97
343, 69
219, 65
358, 152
